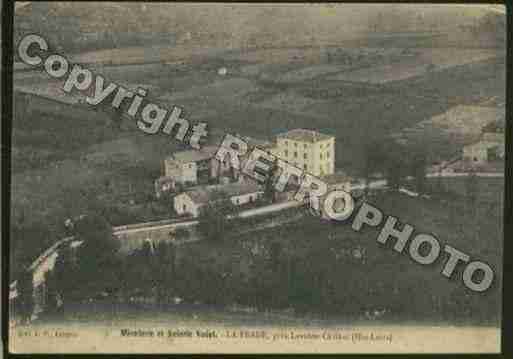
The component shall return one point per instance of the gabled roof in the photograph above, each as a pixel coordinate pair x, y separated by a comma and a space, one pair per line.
188, 156
303, 135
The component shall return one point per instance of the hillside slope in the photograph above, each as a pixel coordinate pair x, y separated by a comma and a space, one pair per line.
79, 26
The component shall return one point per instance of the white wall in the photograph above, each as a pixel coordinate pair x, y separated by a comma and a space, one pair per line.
182, 172
193, 208
190, 207
246, 198
189, 172
475, 151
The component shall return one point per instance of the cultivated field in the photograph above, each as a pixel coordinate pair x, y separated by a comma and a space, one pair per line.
426, 60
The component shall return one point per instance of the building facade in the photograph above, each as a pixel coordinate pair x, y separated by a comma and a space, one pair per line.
191, 202
189, 168
489, 148
201, 167
309, 150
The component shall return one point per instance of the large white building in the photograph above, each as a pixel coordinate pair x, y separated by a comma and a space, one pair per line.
191, 202
309, 150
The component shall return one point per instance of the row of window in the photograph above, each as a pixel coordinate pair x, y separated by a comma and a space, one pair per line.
305, 155
322, 171
305, 145
295, 144
251, 199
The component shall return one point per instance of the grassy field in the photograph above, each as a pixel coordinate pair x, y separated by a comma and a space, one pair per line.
490, 190
417, 64
360, 267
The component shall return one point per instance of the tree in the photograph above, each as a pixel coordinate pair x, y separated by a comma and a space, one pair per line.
430, 67
29, 239
394, 162
471, 193
63, 275
373, 162
117, 116
275, 254
388, 157
393, 174
25, 295
418, 168
213, 219
269, 185
471, 187
97, 264
165, 273
52, 294
146, 266
180, 234
97, 237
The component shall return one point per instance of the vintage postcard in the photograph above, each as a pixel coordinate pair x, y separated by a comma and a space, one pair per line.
257, 178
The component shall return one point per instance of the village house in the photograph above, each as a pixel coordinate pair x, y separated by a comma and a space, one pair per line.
191, 202
194, 167
490, 146
309, 150
189, 168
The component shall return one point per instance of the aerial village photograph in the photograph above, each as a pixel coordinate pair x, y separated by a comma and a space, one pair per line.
132, 234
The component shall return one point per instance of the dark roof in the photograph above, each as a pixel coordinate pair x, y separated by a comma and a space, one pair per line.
300, 134
255, 142
195, 155
497, 126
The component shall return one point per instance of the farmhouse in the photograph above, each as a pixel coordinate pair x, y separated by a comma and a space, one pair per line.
490, 146
195, 167
309, 150
192, 201
188, 168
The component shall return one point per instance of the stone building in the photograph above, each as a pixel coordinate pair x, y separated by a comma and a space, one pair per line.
191, 202
201, 167
188, 168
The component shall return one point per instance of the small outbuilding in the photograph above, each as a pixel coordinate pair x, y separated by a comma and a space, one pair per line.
192, 201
